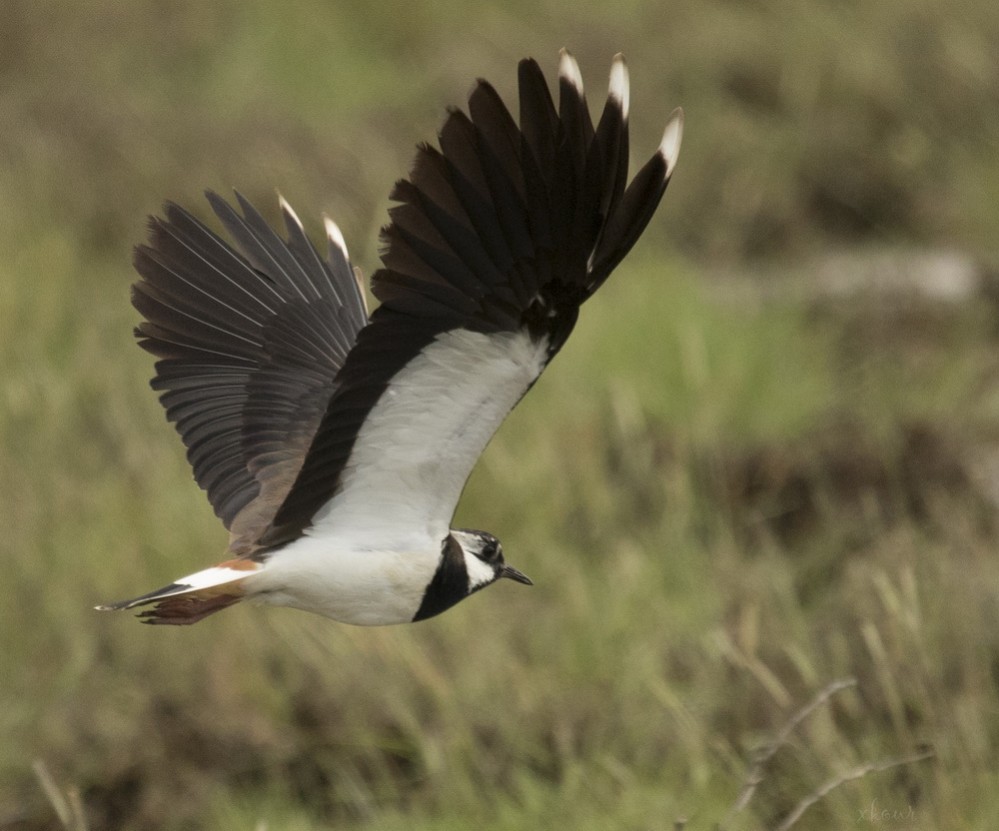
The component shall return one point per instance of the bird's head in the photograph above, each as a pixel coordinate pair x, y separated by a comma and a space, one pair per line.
484, 561
470, 560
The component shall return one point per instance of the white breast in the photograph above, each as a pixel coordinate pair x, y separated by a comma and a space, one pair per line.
340, 580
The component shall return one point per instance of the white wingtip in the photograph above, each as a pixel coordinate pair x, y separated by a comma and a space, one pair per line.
669, 148
619, 87
569, 70
288, 211
335, 236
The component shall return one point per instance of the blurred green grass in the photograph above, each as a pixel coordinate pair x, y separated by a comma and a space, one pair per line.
729, 489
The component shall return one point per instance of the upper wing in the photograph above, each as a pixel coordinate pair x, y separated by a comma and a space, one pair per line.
249, 345
496, 240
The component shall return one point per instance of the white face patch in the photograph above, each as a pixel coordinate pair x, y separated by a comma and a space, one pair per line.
479, 573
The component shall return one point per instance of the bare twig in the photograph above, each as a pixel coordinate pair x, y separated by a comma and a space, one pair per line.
755, 775
851, 775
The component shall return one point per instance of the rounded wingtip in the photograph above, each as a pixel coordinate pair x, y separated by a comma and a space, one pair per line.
619, 86
335, 235
568, 69
669, 147
287, 210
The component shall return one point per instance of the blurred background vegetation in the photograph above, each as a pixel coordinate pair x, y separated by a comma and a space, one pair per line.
769, 457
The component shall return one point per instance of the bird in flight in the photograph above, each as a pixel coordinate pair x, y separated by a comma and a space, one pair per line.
334, 445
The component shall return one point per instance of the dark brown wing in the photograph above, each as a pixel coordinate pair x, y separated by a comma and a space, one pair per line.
249, 344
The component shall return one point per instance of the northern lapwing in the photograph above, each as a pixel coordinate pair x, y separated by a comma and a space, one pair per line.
334, 445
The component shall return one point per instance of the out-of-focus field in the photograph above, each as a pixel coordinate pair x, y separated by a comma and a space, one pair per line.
768, 459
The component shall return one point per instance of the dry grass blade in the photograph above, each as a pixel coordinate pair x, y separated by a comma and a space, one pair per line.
68, 807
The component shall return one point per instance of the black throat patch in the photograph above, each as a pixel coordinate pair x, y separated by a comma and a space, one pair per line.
450, 583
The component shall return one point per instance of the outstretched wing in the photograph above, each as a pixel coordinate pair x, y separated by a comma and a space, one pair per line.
249, 345
496, 240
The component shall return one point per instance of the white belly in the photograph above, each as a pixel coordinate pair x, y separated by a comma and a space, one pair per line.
366, 587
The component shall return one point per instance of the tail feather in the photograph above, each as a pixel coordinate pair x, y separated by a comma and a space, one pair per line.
181, 610
192, 598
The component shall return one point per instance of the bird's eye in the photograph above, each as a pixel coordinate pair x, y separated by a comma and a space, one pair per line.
490, 552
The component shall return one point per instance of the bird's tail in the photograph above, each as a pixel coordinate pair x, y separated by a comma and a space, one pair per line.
194, 597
